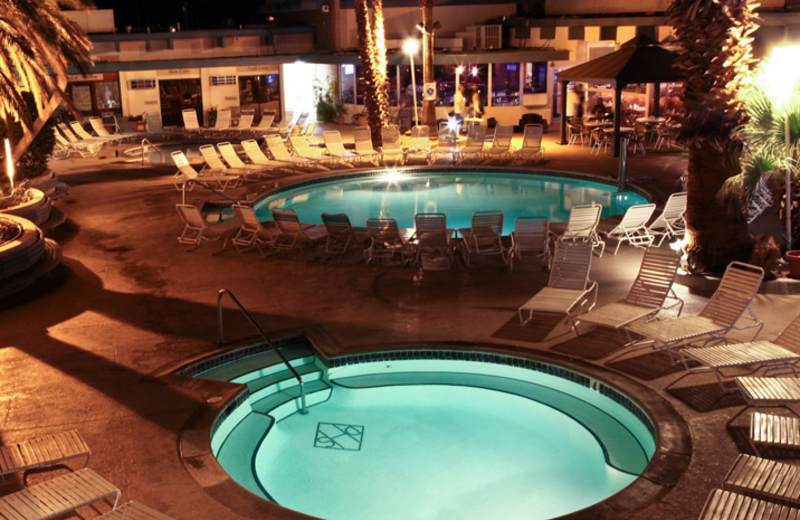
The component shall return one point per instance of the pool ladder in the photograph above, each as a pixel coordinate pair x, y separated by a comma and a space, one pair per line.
223, 292
145, 143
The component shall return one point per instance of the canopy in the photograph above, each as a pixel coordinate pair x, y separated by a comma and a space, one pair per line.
639, 60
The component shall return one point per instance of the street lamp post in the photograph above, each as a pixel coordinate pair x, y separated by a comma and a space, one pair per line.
411, 47
784, 77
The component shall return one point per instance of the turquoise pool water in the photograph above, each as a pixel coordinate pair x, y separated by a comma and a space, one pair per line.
458, 194
433, 439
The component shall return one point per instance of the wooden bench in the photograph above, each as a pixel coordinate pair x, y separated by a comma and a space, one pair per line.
774, 430
768, 478
43, 451
722, 505
57, 496
133, 511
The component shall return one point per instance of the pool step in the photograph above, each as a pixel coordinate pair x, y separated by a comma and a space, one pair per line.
286, 402
260, 364
237, 461
282, 380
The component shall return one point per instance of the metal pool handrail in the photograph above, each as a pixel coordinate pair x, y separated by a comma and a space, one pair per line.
157, 148
223, 292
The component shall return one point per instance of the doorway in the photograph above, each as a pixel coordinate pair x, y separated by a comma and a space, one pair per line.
259, 94
177, 94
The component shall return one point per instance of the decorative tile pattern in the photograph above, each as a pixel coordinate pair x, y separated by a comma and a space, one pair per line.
339, 436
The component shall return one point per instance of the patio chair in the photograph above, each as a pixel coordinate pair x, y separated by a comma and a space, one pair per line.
531, 237
384, 239
198, 231
265, 125
569, 290
780, 431
215, 166
670, 223
420, 145
484, 236
229, 155
633, 227
83, 135
66, 148
667, 135
473, 147
222, 124
256, 156
575, 130
760, 391
582, 225
186, 173
726, 505
191, 125
252, 233
124, 127
768, 479
133, 511
41, 452
362, 136
637, 138
73, 139
341, 234
309, 130
100, 129
431, 238
280, 153
293, 233
447, 144
780, 353
335, 147
501, 144
303, 149
531, 144
245, 125
718, 317
392, 149
155, 128
647, 295
58, 496
601, 140
285, 125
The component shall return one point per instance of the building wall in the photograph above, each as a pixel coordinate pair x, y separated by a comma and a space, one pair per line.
93, 20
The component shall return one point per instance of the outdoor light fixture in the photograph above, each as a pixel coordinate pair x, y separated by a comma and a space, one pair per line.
410, 47
460, 70
475, 71
783, 76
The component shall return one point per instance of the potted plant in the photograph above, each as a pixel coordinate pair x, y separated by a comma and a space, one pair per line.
212, 115
360, 118
329, 107
137, 122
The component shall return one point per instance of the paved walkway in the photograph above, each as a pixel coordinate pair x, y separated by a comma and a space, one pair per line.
80, 348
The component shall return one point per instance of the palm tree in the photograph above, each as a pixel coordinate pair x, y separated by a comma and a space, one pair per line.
428, 105
372, 51
38, 44
715, 36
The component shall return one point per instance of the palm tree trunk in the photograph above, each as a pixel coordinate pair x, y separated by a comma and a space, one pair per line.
428, 106
716, 228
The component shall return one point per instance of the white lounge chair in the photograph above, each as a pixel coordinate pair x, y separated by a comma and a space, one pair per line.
245, 125
58, 496
531, 144
761, 391
384, 239
719, 316
484, 236
473, 147
531, 237
186, 173
73, 139
124, 127
155, 127
769, 479
303, 149
215, 166
133, 511
281, 154
569, 290
447, 145
293, 233
767, 429
633, 227
431, 238
252, 171
222, 124
362, 138
66, 148
648, 294
781, 353
191, 125
670, 223
100, 129
392, 148
582, 225
726, 505
335, 147
341, 234
82, 134
252, 233
40, 452
420, 145
256, 156
501, 144
198, 231
264, 126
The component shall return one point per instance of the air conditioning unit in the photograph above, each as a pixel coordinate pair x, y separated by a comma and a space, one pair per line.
488, 36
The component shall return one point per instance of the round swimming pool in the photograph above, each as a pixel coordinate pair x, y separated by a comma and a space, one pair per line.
428, 434
458, 193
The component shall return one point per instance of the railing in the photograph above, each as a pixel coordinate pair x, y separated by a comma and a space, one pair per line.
223, 292
199, 182
145, 143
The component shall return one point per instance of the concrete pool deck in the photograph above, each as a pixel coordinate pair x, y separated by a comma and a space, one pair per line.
80, 348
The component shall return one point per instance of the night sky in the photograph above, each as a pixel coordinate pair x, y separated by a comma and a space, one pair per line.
159, 15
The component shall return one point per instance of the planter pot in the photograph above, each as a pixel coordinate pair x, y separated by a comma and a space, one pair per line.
37, 210
49, 184
22, 252
793, 258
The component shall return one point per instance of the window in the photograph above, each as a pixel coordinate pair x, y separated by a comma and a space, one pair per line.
535, 77
222, 80
348, 83
505, 84
107, 94
445, 77
474, 77
405, 79
142, 84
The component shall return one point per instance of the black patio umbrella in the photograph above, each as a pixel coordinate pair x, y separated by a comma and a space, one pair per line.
640, 60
